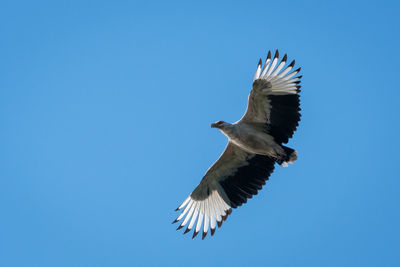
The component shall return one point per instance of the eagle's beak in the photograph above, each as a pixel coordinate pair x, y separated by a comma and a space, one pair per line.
214, 125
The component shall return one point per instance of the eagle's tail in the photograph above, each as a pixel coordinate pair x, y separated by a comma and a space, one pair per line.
290, 156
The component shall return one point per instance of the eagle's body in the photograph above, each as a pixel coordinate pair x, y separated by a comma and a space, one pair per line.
255, 144
252, 138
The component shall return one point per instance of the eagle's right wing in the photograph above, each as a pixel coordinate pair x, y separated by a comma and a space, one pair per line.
234, 177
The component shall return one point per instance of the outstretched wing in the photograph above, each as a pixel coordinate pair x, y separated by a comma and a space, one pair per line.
234, 177
274, 99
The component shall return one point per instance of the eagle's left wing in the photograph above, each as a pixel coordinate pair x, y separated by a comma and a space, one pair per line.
274, 99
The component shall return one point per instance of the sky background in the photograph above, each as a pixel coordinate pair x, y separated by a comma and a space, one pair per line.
105, 112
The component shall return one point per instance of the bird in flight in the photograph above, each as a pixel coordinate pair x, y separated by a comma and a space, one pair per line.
255, 144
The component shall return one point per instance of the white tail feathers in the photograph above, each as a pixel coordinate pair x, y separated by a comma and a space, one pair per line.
292, 158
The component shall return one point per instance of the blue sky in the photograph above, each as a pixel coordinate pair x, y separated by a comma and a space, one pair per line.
105, 112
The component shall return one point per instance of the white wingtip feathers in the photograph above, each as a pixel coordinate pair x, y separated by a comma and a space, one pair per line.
258, 71
278, 75
209, 213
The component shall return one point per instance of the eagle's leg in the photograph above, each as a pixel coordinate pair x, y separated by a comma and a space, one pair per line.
277, 152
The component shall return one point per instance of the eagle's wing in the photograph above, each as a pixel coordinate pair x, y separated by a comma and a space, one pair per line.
234, 177
274, 99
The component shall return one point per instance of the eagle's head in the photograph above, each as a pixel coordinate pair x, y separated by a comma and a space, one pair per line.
219, 125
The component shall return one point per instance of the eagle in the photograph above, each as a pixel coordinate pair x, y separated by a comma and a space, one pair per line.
255, 144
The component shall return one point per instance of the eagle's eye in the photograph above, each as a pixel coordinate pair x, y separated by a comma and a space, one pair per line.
219, 122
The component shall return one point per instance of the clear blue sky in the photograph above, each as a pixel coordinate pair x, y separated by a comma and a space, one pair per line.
105, 112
